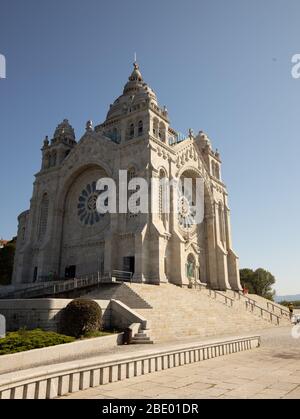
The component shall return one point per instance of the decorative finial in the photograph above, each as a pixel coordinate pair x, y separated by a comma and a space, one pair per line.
46, 141
89, 125
135, 58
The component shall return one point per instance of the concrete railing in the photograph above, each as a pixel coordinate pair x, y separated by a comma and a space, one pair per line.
57, 380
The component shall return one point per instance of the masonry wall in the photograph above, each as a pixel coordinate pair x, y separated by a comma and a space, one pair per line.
41, 313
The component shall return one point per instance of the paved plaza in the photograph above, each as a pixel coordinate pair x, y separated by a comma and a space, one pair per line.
272, 371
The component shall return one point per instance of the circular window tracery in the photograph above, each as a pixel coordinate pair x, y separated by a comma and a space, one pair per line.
86, 208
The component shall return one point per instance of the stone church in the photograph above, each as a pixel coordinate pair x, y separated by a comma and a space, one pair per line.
63, 235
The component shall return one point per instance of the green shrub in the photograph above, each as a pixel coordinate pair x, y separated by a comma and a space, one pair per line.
80, 317
24, 340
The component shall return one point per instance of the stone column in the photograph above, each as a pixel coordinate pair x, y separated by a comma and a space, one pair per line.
139, 257
232, 258
211, 252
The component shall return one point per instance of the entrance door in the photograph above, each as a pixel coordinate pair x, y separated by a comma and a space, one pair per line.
128, 264
70, 271
35, 272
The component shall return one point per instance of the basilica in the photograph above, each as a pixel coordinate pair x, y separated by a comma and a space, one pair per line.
63, 235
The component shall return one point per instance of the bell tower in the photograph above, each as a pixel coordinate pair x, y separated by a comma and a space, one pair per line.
54, 152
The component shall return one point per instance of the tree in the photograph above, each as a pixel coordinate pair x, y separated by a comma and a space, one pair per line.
258, 282
7, 254
80, 317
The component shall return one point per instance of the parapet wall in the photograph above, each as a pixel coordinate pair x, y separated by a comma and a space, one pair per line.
41, 313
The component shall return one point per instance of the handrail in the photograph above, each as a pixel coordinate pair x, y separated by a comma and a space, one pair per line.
122, 275
215, 292
58, 286
249, 303
282, 310
254, 302
262, 310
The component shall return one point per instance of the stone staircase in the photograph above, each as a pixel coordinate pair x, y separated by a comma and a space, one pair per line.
120, 292
179, 313
141, 338
258, 305
276, 308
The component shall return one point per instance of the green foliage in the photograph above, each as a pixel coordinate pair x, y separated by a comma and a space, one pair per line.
286, 303
80, 317
7, 255
258, 282
24, 340
96, 334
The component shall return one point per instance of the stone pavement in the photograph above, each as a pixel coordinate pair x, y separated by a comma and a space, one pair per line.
272, 371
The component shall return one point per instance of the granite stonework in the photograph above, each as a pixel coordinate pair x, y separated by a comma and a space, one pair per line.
63, 235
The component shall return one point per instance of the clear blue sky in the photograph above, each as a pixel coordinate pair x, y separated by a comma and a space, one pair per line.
220, 66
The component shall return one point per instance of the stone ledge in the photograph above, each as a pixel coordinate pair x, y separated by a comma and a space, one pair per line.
58, 353
60, 379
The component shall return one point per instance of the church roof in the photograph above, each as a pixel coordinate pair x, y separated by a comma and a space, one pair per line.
64, 131
135, 91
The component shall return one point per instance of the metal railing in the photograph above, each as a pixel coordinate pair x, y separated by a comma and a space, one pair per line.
226, 299
261, 310
283, 312
250, 303
214, 293
47, 288
57, 287
123, 276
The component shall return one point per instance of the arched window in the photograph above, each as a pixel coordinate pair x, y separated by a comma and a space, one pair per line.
47, 161
115, 135
140, 128
217, 171
155, 127
131, 174
43, 220
162, 132
131, 130
221, 223
53, 159
163, 196
23, 234
213, 168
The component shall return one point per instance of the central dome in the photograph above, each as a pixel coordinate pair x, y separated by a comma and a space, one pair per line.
135, 92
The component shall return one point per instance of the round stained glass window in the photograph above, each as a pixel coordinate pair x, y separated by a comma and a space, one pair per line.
86, 208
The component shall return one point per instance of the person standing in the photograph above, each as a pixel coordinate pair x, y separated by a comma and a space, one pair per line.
291, 310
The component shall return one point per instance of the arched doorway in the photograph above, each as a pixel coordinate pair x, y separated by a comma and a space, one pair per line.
82, 245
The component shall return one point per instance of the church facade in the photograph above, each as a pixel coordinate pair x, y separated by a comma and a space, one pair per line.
63, 235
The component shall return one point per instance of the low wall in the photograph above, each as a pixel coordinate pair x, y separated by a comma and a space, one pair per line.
122, 316
61, 379
59, 353
45, 313
41, 313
